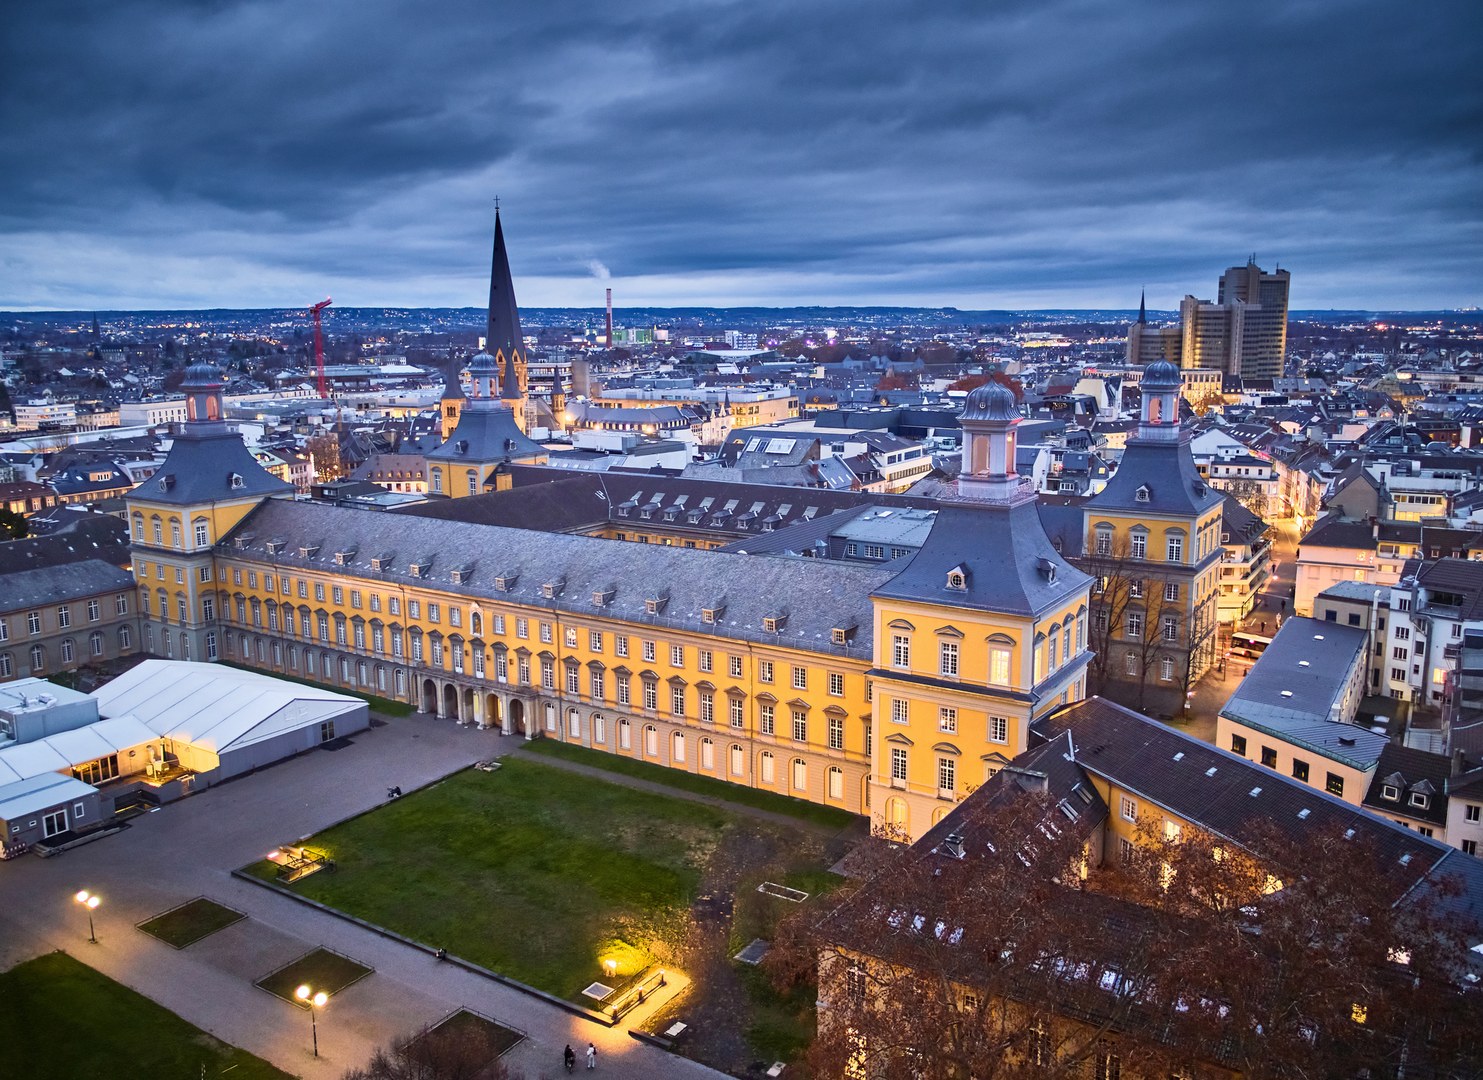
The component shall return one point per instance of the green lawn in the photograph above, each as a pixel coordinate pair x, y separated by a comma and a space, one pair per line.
499, 1038
828, 816
385, 706
62, 1020
319, 970
532, 871
191, 922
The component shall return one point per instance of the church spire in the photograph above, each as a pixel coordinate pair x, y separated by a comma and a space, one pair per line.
505, 341
1142, 307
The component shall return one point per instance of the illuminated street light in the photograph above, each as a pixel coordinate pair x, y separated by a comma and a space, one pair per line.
315, 1001
611, 966
89, 901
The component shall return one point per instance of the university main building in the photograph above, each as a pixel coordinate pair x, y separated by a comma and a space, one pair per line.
890, 689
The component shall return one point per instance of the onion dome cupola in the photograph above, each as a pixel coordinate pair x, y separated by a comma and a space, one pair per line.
1160, 386
203, 387
990, 416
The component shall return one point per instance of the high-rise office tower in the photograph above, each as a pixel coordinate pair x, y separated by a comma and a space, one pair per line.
1245, 331
1264, 324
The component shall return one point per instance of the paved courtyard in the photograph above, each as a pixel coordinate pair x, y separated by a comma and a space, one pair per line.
190, 848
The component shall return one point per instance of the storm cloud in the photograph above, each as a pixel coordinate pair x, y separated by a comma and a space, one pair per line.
982, 153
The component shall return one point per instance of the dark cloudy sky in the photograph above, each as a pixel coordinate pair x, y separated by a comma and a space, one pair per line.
980, 153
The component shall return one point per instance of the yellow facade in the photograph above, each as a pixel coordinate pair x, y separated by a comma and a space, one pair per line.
771, 717
954, 694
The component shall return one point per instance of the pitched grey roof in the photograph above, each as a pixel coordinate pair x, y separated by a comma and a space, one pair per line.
1411, 771
1167, 470
200, 469
22, 589
486, 433
814, 597
93, 536
1010, 563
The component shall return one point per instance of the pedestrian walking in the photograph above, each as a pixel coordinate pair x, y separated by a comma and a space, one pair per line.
569, 1058
591, 1056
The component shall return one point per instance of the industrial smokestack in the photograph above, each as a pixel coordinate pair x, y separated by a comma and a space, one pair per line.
610, 318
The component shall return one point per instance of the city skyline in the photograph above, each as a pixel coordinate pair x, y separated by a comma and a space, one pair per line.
1059, 157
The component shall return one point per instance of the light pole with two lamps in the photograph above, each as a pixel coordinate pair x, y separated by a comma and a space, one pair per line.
89, 901
315, 1001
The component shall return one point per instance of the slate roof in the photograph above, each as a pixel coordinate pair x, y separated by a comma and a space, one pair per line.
200, 467
1462, 578
1225, 794
22, 589
1168, 470
1293, 687
1010, 563
814, 598
1334, 531
486, 432
1411, 771
93, 536
566, 503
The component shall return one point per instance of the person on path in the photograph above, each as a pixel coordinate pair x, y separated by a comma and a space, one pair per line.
569, 1058
591, 1056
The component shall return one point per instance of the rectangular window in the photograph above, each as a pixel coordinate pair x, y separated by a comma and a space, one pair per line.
1300, 770
1171, 591
1176, 549
651, 695
594, 641
597, 684
898, 765
707, 707
1269, 757
1471, 812
764, 671
1104, 542
623, 692
901, 651
766, 719
947, 774
1238, 745
703, 661
800, 726
1135, 624
1170, 629
414, 609
548, 671
947, 720
800, 678
1139, 545
1128, 809
93, 611
677, 656
546, 633
734, 666
836, 684
738, 713
1166, 669
499, 622
620, 646
999, 666
522, 628
900, 711
650, 651
948, 658
1335, 785
999, 729
573, 679
836, 733
570, 637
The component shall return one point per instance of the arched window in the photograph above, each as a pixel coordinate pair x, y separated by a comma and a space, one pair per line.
159, 534
738, 760
651, 740
677, 752
800, 774
125, 639
202, 533
174, 533
95, 643
765, 767
38, 658
69, 650
476, 624
573, 724
138, 526
625, 734
836, 782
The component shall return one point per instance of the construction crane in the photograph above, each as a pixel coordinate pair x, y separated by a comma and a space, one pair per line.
324, 387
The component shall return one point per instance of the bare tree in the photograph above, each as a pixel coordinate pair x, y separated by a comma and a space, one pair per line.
451, 1051
324, 451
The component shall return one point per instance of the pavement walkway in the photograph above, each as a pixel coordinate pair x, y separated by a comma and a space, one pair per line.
189, 849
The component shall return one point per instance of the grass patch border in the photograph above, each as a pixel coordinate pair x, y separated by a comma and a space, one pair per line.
366, 969
140, 926
463, 1010
386, 706
828, 817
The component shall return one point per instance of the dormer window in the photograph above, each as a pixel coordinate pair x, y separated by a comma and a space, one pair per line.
461, 575
622, 511
1390, 792
1142, 494
420, 568
1047, 568
713, 613
275, 546
308, 551
957, 578
603, 597
506, 582
773, 624
167, 482
655, 604
236, 481
376, 564
552, 589
344, 558
841, 635
1419, 800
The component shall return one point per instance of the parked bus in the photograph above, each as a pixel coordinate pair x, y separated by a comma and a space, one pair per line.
1248, 646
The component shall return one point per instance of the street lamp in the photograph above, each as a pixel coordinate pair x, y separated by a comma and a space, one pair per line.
314, 1000
89, 901
611, 967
